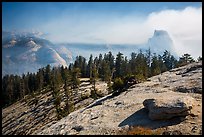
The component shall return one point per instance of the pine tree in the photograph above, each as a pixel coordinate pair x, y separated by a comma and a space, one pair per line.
95, 76
22, 89
185, 59
39, 80
105, 71
56, 97
118, 65
90, 67
173, 62
133, 63
155, 66
17, 89
69, 106
47, 75
167, 59
63, 73
94, 79
31, 82
67, 91
149, 59
111, 60
84, 67
25, 80
141, 66
9, 89
161, 64
125, 67
80, 63
75, 73
71, 66
57, 76
100, 66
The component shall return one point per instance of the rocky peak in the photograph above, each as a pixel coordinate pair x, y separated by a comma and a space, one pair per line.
160, 33
161, 41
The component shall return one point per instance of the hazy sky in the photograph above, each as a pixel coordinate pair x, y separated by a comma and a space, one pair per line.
106, 22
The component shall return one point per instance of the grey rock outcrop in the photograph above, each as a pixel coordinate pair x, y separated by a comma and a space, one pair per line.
161, 109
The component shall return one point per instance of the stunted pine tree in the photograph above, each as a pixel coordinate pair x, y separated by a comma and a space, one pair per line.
75, 74
106, 72
133, 63
47, 76
56, 97
94, 79
155, 66
185, 59
69, 105
118, 65
149, 60
90, 67
141, 66
39, 80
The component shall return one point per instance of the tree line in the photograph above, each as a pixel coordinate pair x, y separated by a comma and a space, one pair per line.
105, 67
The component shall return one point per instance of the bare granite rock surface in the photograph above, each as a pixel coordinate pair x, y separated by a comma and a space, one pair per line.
111, 115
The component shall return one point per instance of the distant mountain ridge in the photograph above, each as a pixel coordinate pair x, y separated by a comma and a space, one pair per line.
24, 52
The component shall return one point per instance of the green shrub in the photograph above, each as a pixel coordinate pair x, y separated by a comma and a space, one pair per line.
118, 84
85, 95
140, 78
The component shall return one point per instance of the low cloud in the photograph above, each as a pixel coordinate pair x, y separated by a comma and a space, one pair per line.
184, 27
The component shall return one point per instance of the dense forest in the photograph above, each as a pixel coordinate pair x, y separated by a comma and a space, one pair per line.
113, 70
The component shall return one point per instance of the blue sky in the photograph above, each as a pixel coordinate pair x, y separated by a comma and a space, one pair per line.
108, 22
29, 15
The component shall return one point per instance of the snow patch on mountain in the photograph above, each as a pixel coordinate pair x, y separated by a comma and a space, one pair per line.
26, 52
58, 59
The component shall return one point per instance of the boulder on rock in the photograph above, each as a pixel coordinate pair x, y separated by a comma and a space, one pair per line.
78, 128
161, 109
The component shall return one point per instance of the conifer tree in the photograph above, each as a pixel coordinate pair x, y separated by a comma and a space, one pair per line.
141, 66
47, 74
161, 64
39, 80
90, 67
118, 65
100, 65
105, 71
155, 66
185, 59
149, 59
94, 79
75, 74
111, 58
69, 106
56, 97
132, 63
